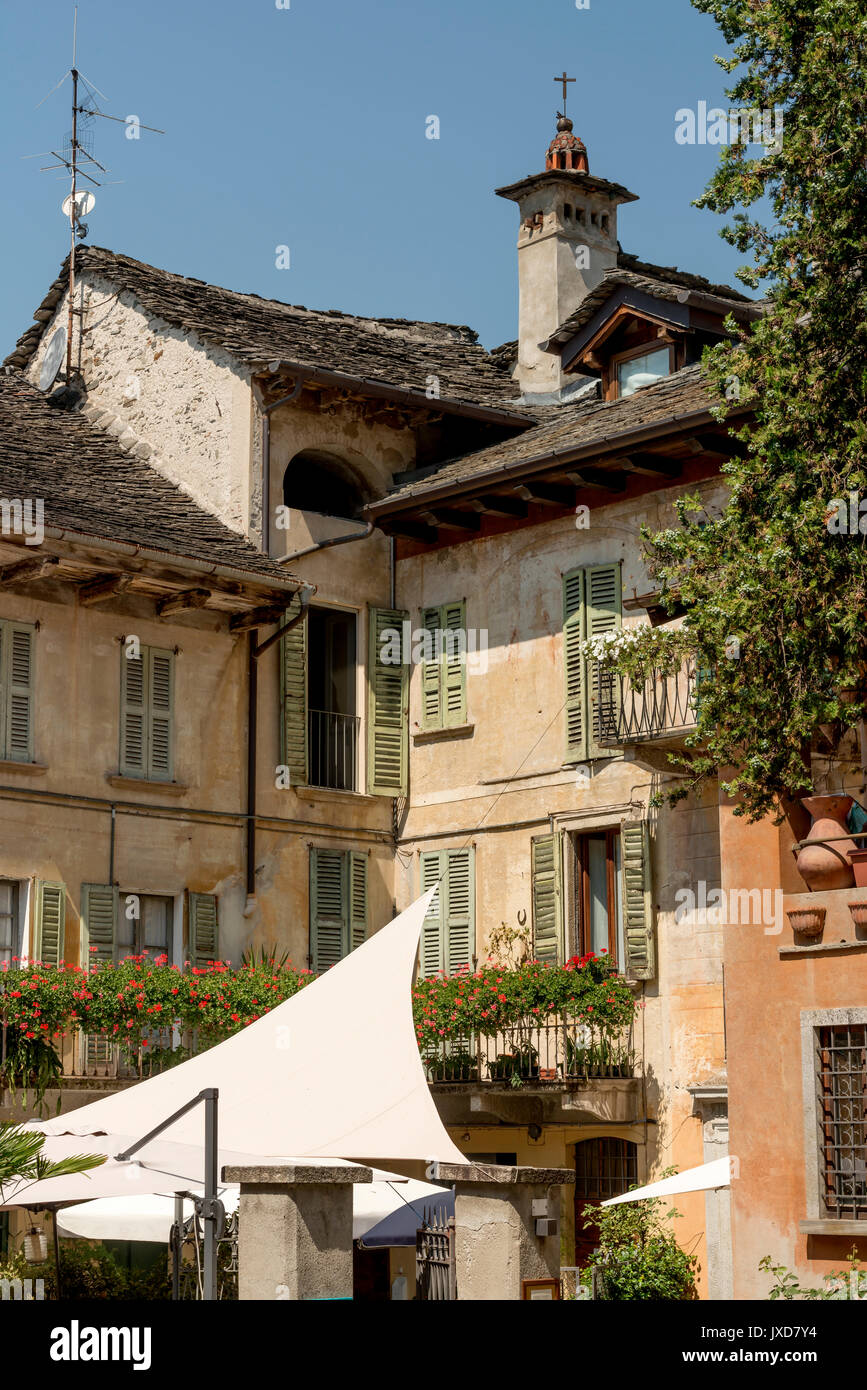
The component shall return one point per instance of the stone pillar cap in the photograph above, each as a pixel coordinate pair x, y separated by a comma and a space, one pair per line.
497, 1173
294, 1174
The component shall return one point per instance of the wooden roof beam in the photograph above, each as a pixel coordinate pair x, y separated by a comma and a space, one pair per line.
413, 530
490, 505
611, 480
721, 444
256, 617
654, 465
458, 521
547, 494
104, 587
24, 571
181, 602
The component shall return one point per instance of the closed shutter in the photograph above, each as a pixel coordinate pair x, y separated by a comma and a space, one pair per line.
357, 899
574, 617
293, 697
388, 715
432, 934
546, 875
160, 710
328, 907
453, 620
99, 923
603, 593
50, 923
204, 929
637, 903
18, 685
448, 932
133, 715
431, 674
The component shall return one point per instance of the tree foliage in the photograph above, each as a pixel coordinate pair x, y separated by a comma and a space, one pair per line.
638, 1256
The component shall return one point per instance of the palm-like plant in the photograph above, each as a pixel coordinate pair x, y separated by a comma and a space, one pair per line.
22, 1159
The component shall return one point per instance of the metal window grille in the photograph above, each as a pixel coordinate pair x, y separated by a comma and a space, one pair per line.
842, 1077
604, 1168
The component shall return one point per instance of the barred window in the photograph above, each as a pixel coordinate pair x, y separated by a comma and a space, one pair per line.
842, 1077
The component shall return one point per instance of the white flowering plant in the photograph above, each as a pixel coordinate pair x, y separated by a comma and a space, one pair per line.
636, 651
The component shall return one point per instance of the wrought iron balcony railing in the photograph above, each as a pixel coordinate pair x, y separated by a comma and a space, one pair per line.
661, 708
528, 1052
332, 753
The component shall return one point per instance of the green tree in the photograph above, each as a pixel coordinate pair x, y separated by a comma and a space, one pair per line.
775, 570
638, 1256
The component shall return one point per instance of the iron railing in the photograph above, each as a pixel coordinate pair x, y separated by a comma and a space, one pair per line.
332, 750
663, 706
559, 1050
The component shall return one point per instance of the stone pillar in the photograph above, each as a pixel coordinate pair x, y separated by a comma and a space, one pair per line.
507, 1226
295, 1230
711, 1104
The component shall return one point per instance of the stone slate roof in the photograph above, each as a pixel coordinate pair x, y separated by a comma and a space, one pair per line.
587, 422
90, 486
398, 352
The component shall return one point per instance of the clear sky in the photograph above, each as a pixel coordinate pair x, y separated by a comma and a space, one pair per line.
305, 127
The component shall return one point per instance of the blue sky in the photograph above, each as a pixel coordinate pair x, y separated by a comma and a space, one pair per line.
305, 127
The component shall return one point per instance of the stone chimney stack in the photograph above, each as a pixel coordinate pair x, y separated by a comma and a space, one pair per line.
566, 241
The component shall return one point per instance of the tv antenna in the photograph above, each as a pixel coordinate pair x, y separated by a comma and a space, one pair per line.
77, 158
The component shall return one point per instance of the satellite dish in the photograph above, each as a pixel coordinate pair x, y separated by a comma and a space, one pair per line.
84, 202
52, 359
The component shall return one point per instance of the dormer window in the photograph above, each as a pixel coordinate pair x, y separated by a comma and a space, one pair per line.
635, 371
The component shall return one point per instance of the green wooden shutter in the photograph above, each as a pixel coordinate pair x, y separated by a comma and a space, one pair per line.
603, 595
49, 923
204, 934
460, 913
293, 702
547, 892
431, 675
574, 632
328, 907
432, 933
160, 693
454, 666
357, 898
638, 929
99, 905
133, 714
16, 661
388, 714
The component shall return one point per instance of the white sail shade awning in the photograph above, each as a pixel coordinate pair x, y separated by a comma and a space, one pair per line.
705, 1178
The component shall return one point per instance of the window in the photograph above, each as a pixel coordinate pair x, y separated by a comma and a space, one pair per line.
16, 692
598, 896
444, 678
332, 721
147, 714
338, 905
117, 923
145, 925
604, 1167
10, 923
841, 1063
591, 606
642, 370
448, 938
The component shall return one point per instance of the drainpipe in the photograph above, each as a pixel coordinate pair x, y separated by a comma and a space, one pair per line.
265, 411
324, 545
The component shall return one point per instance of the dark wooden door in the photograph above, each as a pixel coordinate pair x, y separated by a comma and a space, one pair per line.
604, 1168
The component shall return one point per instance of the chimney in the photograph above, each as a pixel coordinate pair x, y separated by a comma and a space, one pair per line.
566, 241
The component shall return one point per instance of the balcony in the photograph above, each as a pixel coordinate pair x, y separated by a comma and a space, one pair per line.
332, 750
658, 711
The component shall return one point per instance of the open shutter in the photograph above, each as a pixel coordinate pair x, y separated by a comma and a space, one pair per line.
637, 904
133, 714
357, 899
293, 721
454, 665
574, 632
431, 674
432, 934
99, 923
50, 923
160, 692
204, 930
603, 591
328, 907
460, 914
388, 715
18, 680
546, 874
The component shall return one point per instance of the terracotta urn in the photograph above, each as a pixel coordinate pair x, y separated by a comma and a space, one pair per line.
825, 866
808, 921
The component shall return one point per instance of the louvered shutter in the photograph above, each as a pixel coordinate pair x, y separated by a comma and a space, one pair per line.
293, 721
454, 665
18, 681
357, 898
431, 674
574, 632
432, 934
388, 716
133, 714
546, 875
603, 614
99, 923
204, 929
460, 936
50, 923
160, 693
328, 907
638, 929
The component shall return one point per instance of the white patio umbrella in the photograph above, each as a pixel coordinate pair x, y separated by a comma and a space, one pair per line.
705, 1178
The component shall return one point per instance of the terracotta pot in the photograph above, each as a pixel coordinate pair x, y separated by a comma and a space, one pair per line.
809, 921
827, 866
859, 914
858, 860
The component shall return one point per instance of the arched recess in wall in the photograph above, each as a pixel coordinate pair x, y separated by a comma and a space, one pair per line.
318, 481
